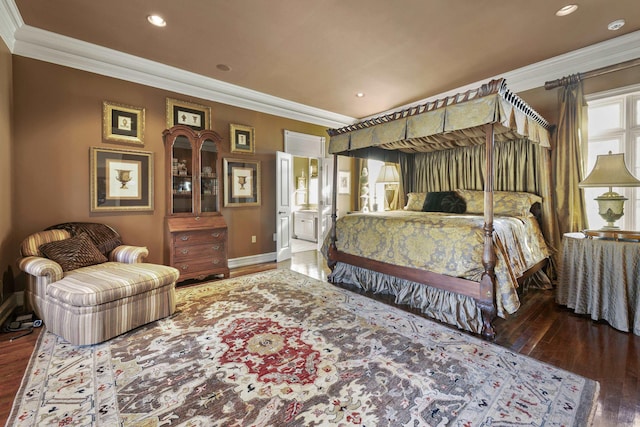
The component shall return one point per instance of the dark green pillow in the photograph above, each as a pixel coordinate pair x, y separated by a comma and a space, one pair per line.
452, 203
433, 201
443, 201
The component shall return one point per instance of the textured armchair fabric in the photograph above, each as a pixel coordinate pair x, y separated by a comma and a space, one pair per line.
31, 245
41, 267
129, 254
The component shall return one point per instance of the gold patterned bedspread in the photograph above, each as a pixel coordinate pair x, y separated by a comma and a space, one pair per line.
448, 244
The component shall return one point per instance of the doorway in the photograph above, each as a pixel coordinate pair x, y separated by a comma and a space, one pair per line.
305, 204
310, 200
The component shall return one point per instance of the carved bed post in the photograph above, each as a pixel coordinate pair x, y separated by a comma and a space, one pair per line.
487, 302
331, 261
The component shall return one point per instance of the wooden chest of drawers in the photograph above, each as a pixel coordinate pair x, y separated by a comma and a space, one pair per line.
198, 246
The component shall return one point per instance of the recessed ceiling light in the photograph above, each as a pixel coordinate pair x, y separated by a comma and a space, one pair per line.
360, 95
156, 20
223, 67
616, 25
566, 10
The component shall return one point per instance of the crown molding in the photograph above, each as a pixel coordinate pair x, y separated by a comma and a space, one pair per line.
610, 52
10, 21
46, 46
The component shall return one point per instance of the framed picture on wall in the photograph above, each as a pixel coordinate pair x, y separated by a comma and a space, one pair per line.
344, 182
122, 123
197, 117
242, 139
121, 180
241, 182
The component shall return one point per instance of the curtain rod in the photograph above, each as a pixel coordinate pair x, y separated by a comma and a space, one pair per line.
593, 73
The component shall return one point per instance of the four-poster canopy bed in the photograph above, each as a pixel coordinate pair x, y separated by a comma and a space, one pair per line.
464, 265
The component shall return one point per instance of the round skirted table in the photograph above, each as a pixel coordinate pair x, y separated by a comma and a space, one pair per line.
600, 276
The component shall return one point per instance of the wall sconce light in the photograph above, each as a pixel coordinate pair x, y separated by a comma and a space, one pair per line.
610, 171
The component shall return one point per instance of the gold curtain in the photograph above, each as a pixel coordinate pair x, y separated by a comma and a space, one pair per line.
568, 163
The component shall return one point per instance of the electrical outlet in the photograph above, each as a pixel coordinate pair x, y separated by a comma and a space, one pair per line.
253, 239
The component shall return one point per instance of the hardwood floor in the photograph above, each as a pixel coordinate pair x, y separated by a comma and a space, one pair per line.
540, 329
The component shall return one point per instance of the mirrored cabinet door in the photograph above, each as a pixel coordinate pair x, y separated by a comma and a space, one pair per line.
182, 200
209, 188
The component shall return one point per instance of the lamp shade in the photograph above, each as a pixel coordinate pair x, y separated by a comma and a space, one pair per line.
388, 174
610, 171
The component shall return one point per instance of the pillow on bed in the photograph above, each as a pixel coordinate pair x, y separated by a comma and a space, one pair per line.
415, 201
510, 203
443, 201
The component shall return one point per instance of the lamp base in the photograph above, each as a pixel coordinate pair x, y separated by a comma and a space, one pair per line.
610, 227
611, 208
389, 194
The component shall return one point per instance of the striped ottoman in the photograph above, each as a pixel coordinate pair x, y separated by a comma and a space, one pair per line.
93, 304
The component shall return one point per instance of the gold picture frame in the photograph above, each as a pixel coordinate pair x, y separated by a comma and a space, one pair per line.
196, 116
241, 182
121, 180
242, 139
122, 123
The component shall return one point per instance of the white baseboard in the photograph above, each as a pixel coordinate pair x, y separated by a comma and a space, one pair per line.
251, 260
8, 307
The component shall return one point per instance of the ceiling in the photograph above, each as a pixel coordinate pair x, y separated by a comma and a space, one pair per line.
320, 53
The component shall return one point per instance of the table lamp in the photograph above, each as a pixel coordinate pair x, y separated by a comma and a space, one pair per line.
610, 171
390, 178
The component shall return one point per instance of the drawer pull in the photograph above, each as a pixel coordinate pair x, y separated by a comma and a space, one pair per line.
215, 234
184, 251
216, 261
197, 218
184, 238
185, 267
216, 247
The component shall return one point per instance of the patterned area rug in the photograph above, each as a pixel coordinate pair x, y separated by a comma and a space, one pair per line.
281, 349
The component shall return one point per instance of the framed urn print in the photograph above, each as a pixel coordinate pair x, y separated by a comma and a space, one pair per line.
122, 123
121, 180
241, 182
197, 117
242, 139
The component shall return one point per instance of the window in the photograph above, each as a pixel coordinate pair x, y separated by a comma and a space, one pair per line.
614, 125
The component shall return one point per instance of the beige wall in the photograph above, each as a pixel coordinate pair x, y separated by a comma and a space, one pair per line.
58, 117
6, 170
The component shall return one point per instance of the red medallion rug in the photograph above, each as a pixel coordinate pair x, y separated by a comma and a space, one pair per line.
282, 349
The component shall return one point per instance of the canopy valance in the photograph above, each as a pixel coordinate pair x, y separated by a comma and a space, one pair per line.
454, 121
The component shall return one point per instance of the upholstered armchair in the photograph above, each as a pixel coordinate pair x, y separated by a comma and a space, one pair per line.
88, 287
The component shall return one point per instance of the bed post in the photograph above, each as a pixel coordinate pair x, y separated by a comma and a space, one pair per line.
487, 302
331, 261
